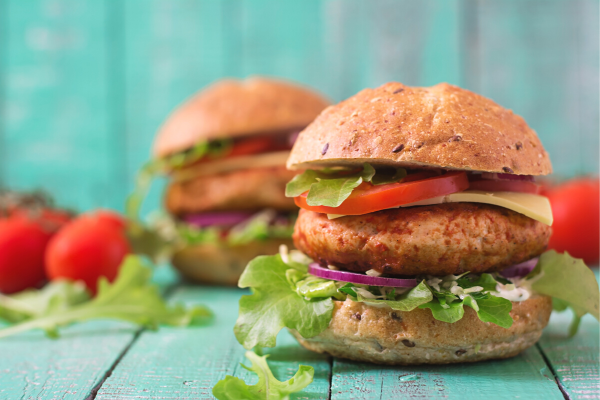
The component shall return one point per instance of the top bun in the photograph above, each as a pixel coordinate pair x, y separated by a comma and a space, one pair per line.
232, 108
442, 126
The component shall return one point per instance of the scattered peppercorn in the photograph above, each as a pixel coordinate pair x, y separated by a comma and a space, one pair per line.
460, 352
356, 316
508, 170
398, 91
518, 145
455, 138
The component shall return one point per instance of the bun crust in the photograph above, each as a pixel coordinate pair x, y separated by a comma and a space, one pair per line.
233, 108
219, 264
439, 126
384, 336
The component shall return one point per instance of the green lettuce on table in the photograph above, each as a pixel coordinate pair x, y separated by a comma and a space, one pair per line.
131, 298
268, 387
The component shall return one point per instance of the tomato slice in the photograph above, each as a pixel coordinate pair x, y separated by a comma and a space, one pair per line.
504, 186
368, 198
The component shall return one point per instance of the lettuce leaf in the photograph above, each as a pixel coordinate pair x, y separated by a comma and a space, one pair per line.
56, 295
331, 188
268, 387
569, 282
452, 313
405, 302
275, 304
568, 279
131, 298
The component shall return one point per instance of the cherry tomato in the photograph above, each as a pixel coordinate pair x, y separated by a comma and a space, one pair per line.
89, 247
576, 227
108, 217
504, 186
368, 198
22, 245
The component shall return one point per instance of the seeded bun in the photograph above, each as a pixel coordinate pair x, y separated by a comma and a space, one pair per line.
216, 264
384, 336
233, 108
439, 126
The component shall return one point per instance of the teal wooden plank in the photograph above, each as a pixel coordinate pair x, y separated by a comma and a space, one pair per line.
35, 367
186, 363
56, 114
524, 376
173, 49
540, 58
280, 38
574, 361
3, 51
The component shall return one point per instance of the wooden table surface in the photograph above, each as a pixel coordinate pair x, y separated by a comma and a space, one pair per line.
112, 360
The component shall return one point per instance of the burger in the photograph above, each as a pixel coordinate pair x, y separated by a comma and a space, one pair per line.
421, 237
224, 152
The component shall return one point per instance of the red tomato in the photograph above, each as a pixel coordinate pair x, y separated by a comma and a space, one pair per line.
504, 186
87, 248
368, 198
576, 227
108, 217
22, 245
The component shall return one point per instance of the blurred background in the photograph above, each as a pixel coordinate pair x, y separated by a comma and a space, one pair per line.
84, 85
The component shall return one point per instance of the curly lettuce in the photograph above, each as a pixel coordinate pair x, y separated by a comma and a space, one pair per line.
267, 387
285, 295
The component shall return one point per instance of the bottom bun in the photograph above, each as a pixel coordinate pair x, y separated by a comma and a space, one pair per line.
221, 264
381, 335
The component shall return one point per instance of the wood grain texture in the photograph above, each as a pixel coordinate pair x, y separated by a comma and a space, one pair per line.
186, 363
524, 375
57, 119
575, 361
33, 366
535, 57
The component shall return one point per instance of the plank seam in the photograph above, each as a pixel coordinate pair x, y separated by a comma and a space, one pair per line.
556, 378
108, 373
330, 359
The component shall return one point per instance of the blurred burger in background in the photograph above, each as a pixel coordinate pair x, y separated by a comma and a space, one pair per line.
224, 151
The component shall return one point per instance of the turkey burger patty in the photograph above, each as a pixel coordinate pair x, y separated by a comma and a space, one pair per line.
437, 240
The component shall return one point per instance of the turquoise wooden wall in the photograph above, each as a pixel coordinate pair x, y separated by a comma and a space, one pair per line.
85, 84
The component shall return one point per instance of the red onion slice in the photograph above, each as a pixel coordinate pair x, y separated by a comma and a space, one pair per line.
229, 218
520, 269
353, 277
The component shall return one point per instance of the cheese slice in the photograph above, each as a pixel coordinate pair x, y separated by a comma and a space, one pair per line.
531, 205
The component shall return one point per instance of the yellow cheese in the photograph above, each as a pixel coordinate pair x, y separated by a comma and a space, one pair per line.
534, 206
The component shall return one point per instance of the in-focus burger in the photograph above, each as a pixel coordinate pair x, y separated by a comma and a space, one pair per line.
225, 151
421, 233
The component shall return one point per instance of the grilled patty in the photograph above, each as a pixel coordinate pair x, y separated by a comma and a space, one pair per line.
438, 240
250, 189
